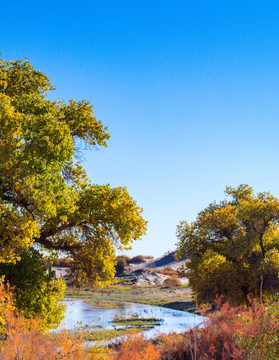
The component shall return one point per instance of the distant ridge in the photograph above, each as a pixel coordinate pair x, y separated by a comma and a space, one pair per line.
168, 259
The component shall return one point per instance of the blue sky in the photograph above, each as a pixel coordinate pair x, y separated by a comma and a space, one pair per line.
188, 89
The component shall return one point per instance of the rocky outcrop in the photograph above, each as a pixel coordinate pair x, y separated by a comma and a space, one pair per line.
143, 277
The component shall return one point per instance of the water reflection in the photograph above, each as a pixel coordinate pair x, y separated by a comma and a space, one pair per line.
81, 312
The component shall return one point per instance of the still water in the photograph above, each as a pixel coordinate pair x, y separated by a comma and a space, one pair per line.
81, 313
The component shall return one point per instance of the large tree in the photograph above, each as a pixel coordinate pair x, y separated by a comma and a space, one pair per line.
233, 247
46, 197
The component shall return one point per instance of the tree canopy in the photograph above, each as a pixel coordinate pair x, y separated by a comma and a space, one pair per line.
46, 197
233, 247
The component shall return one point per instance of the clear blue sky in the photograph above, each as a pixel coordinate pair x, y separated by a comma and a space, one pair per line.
188, 89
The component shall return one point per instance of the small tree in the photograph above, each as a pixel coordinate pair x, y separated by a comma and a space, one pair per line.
233, 247
35, 291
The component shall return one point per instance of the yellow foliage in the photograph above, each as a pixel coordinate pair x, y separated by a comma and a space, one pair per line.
232, 246
46, 196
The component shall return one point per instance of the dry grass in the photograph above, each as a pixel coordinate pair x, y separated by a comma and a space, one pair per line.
173, 281
168, 296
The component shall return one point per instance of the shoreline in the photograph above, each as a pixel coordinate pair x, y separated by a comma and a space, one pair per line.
176, 298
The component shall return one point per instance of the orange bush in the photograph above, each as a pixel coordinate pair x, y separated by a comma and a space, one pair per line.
172, 281
168, 271
230, 333
135, 347
22, 339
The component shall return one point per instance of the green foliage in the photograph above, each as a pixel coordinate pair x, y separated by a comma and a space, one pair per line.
45, 195
120, 263
232, 247
35, 291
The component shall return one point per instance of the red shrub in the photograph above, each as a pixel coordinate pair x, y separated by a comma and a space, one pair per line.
230, 333
137, 259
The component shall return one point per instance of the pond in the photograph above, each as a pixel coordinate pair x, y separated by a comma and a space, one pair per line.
81, 312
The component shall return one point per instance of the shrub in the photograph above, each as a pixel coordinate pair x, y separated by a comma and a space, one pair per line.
230, 333
168, 271
172, 281
135, 347
24, 340
127, 258
137, 259
63, 262
36, 293
120, 264
168, 268
182, 271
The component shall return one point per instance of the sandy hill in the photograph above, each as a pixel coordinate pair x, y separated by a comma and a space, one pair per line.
162, 262
145, 273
